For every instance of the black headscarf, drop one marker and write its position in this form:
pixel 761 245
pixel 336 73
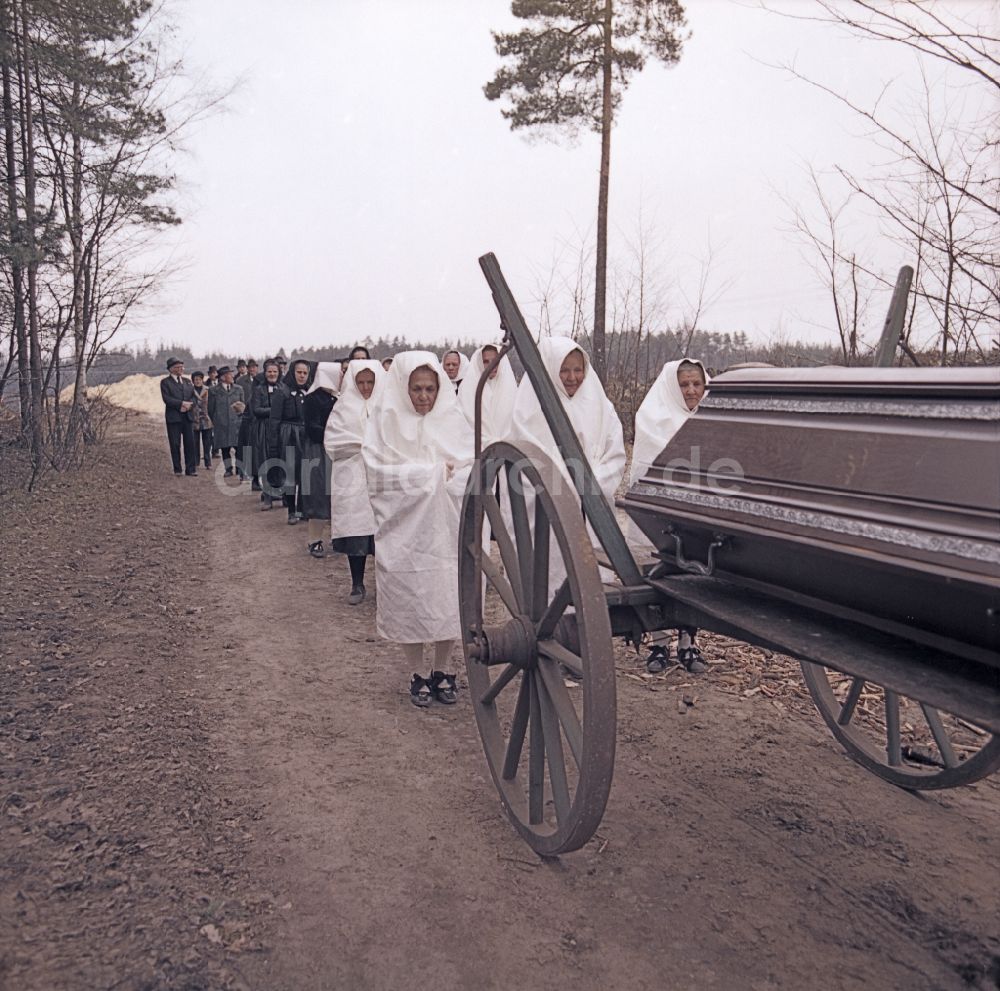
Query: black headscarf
pixel 289 378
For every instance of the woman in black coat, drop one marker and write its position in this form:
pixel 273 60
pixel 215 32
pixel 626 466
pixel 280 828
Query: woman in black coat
pixel 288 419
pixel 262 437
pixel 315 461
pixel 244 447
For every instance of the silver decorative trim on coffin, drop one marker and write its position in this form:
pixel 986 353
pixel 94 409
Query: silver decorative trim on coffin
pixel 972 550
pixel 858 407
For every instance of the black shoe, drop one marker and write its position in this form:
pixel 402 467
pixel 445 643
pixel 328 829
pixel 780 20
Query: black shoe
pixel 357 595
pixel 266 504
pixel 191 473
pixel 443 687
pixel 255 486
pixel 177 471
pixel 229 473
pixel 658 660
pixel 690 658
pixel 292 519
pixel 420 692
pixel 316 549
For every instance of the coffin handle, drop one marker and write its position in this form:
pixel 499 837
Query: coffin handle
pixel 695 567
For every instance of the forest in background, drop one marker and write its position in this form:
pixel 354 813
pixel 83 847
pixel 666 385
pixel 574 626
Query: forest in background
pixel 94 106
pixel 628 359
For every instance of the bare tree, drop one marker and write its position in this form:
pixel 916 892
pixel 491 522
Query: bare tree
pixel 706 294
pixel 836 265
pixel 937 191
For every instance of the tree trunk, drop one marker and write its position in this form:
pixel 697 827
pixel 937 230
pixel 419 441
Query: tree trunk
pixel 601 275
pixel 13 225
pixel 34 338
pixel 78 410
pixel 76 238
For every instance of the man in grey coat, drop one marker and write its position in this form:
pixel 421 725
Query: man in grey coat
pixel 225 407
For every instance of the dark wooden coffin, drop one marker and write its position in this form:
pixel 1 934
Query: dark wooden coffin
pixel 872 495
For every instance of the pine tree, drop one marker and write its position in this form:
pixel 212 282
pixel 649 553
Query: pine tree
pixel 568 69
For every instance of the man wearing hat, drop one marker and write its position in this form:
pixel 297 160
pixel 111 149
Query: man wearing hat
pixel 178 400
pixel 245 374
pixel 225 407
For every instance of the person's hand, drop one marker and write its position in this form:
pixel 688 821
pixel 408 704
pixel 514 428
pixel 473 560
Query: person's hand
pixel 239 407
pixel 186 405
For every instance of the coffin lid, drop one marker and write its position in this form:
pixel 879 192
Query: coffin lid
pixel 981 382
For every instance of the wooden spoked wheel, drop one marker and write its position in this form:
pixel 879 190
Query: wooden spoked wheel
pixel 903 740
pixel 550 746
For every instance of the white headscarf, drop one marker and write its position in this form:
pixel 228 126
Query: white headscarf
pixel 660 415
pixel 590 412
pixel 594 421
pixel 349 416
pixel 498 397
pixel 402 435
pixel 416 504
pixel 463 367
pixel 327 376
pixel 350 508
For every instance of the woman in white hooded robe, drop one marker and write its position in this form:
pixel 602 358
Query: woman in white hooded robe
pixel 591 414
pixel 352 522
pixel 417 453
pixel 497 408
pixel 455 373
pixel 672 400
pixel 499 394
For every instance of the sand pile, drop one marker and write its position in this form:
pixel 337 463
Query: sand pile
pixel 137 392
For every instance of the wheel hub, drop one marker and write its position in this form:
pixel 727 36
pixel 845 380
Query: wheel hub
pixel 514 642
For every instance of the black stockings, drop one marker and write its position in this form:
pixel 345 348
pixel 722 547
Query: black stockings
pixel 357 563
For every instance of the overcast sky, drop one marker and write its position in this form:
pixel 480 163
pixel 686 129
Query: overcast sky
pixel 358 172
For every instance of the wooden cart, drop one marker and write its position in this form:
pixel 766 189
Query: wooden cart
pixel 860 536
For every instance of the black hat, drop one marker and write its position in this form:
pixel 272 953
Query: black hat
pixel 242 362
pixel 212 368
pixel 174 361
pixel 223 370
pixel 197 375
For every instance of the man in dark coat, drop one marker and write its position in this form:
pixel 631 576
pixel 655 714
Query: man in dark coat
pixel 225 407
pixel 178 400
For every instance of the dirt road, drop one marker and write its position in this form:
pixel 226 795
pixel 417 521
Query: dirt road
pixel 212 777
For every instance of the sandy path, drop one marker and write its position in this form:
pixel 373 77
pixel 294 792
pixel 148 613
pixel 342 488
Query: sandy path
pixel 741 849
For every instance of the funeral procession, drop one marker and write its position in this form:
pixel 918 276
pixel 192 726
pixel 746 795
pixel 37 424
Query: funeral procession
pixel 500 495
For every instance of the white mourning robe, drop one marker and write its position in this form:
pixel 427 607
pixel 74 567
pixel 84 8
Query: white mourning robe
pixel 416 505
